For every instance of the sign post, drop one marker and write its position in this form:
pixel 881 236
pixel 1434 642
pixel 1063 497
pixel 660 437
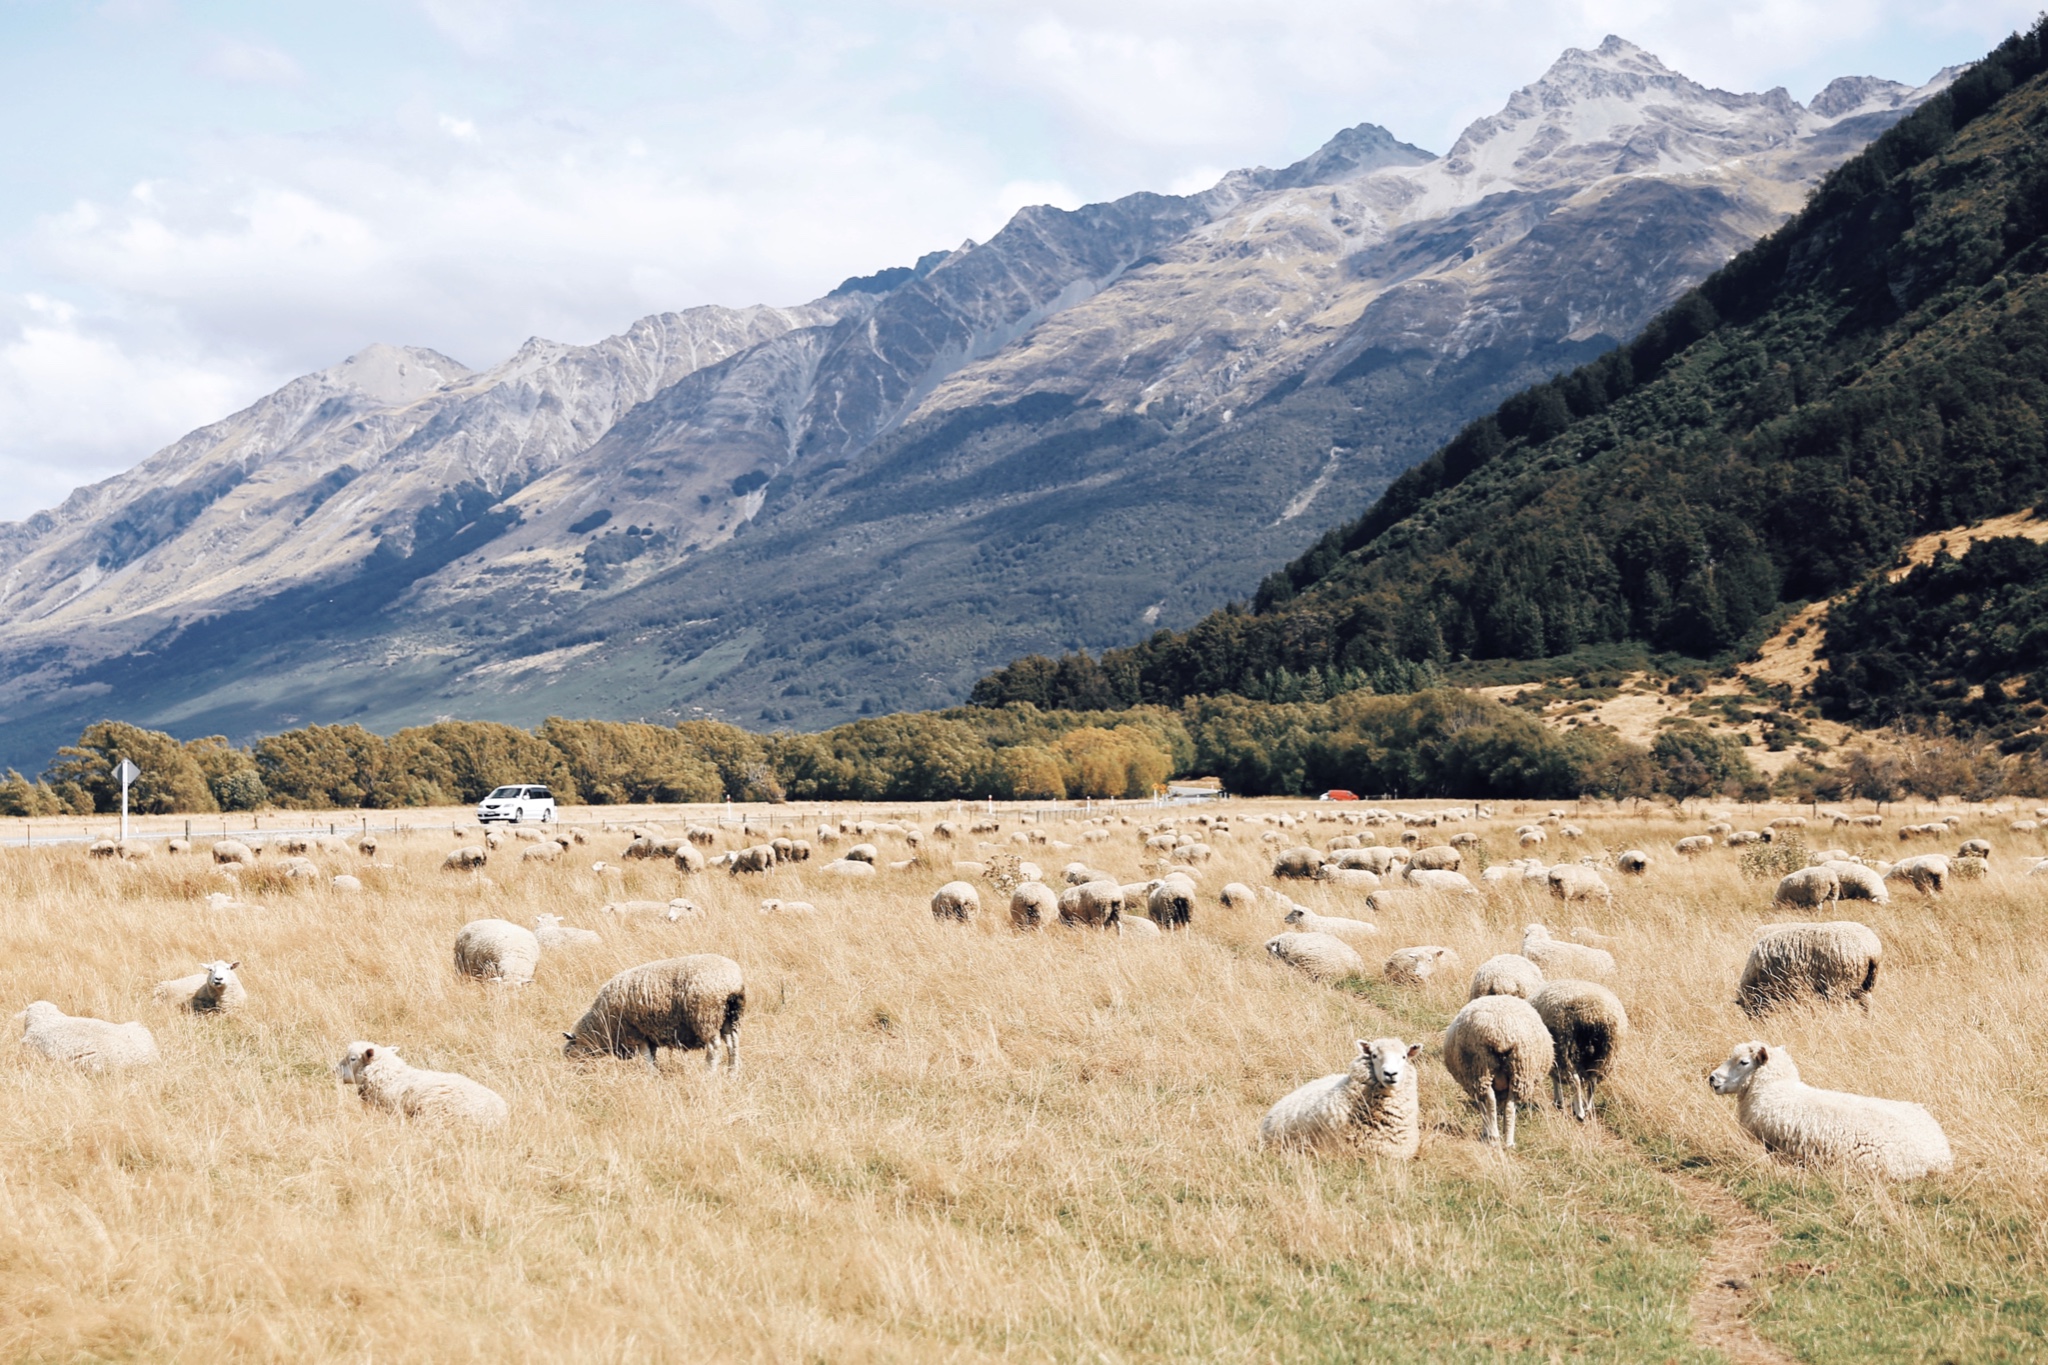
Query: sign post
pixel 127 772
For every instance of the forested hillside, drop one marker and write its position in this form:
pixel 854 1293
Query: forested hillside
pixel 1875 370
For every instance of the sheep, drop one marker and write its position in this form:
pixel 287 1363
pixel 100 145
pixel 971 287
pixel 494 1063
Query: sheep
pixel 1969 869
pixel 687 1003
pixel 1413 966
pixel 1789 822
pixel 1564 959
pixel 1587 1025
pixel 1303 920
pixel 497 950
pixel 785 849
pixel 541 853
pixel 1136 926
pixel 1370 1110
pixel 1440 882
pixel 1496 1049
pixel 1824 856
pixel 1300 863
pixel 1237 896
pixel 1632 862
pixel 550 932
pixel 1380 860
pixel 688 860
pixel 1506 974
pixel 88 1044
pixel 1529 836
pixel 1927 873
pixel 1581 934
pixel 1073 874
pixel 1171 904
pixel 234 852
pixel 847 867
pixel 1096 904
pixel 758 858
pixel 1574 882
pixel 1860 883
pixel 1323 956
pixel 782 907
pixel 956 901
pixel 214 989
pixel 1811 888
pixel 1743 837
pixel 1440 858
pixel 861 853
pixel 176 846
pixel 1348 878
pixel 464 859
pixel 386 1080
pixel 1891 1139
pixel 1192 853
pixel 1033 906
pixel 1692 845
pixel 1834 960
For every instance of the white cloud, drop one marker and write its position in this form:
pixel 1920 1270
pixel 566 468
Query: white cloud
pixel 246 63
pixel 461 129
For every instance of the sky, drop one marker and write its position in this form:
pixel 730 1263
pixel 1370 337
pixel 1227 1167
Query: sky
pixel 200 201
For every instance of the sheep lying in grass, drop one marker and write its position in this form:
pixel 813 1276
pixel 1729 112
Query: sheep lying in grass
pixel 1507 974
pixel 1833 960
pixel 1497 1049
pixel 1370 1110
pixel 1587 1025
pixel 550 932
pixel 385 1080
pixel 88 1044
pixel 1892 1139
pixel 686 1003
pixel 1323 956
pixel 1303 920
pixel 214 989
pixel 781 907
pixel 1559 960
pixel 497 950
pixel 1412 966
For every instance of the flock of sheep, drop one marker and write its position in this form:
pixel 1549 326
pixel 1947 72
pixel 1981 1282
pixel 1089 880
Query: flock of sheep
pixel 1539 1011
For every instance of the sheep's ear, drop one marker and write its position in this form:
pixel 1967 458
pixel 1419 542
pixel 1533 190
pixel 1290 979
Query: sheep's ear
pixel 1414 1049
pixel 1363 1047
pixel 233 966
pixel 569 1037
pixel 368 1053
pixel 1763 1054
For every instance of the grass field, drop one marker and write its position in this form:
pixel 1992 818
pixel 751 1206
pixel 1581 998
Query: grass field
pixel 954 1142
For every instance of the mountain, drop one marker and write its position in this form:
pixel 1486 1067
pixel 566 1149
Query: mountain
pixel 1095 422
pixel 1872 375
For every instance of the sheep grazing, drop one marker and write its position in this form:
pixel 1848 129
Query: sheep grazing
pixel 497 950
pixel 1136 926
pixel 1370 1110
pixel 1587 1025
pixel 1891 1139
pixel 1302 863
pixel 1975 848
pixel 1836 960
pixel 1632 862
pixel 1507 974
pixel 759 858
pixel 1575 882
pixel 1928 873
pixel 862 853
pixel 1413 966
pixel 176 846
pixel 214 989
pixel 541 853
pixel 1439 882
pixel 1303 920
pixel 235 853
pixel 1171 904
pixel 1095 905
pixel 1560 960
pixel 88 1044
pixel 689 860
pixel 387 1081
pixel 1033 906
pixel 345 884
pixel 1692 845
pixel 1441 858
pixel 1238 896
pixel 1810 888
pixel 1497 1049
pixel 464 859
pixel 1323 956
pixel 956 901
pixel 1860 883
pixel 550 932
pixel 686 1003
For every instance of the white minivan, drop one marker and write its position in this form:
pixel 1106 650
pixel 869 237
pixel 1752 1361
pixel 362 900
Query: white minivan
pixel 516 804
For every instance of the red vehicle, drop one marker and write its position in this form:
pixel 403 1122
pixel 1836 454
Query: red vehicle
pixel 1338 794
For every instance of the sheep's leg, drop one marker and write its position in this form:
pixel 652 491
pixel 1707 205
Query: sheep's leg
pixel 1492 1129
pixel 652 1064
pixel 1582 1104
pixel 1511 1122
pixel 1556 1091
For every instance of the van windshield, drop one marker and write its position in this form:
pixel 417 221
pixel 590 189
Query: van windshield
pixel 505 793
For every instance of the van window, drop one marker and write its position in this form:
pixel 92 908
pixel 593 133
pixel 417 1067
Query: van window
pixel 539 793
pixel 505 794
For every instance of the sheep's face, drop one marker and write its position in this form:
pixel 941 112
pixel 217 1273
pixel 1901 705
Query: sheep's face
pixel 1735 1073
pixel 218 974
pixel 1297 915
pixel 350 1067
pixel 1386 1062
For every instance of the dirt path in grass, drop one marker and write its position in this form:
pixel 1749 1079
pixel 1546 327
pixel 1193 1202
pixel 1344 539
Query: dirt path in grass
pixel 1727 1284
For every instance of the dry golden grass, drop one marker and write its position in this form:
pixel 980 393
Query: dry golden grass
pixel 958 1142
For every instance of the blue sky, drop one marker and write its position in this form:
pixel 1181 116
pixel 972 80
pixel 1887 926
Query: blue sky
pixel 200 200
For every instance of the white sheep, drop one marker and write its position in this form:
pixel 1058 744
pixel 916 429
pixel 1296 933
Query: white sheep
pixel 1560 960
pixel 497 950
pixel 782 907
pixel 88 1044
pixel 1575 882
pixel 1834 960
pixel 1587 1025
pixel 464 859
pixel 386 1080
pixel 1323 956
pixel 686 1003
pixel 1860 883
pixel 1441 883
pixel 1507 974
pixel 1171 902
pixel 234 852
pixel 1371 1109
pixel 1096 904
pixel 1033 906
pixel 1692 845
pixel 1438 858
pixel 1412 966
pixel 1892 1139
pixel 1927 873
pixel 213 989
pixel 1238 896
pixel 1810 888
pixel 1303 920
pixel 550 932
pixel 1632 862
pixel 956 901
pixel 847 867
pixel 1497 1049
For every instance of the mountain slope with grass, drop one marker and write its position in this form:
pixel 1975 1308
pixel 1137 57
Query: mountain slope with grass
pixel 1873 371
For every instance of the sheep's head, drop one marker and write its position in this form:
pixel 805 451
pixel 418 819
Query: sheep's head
pixel 350 1067
pixel 1296 915
pixel 219 974
pixel 1741 1067
pixel 1385 1062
